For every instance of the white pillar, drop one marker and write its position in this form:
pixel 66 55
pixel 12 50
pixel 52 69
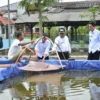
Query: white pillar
pixel 4 35
pixel 12 30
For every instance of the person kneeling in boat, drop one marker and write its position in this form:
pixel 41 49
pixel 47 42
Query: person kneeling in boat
pixel 62 45
pixel 42 48
pixel 16 48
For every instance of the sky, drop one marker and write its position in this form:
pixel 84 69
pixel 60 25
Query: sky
pixel 5 2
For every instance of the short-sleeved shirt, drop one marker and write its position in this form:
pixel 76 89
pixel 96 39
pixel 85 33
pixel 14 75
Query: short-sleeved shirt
pixel 14 48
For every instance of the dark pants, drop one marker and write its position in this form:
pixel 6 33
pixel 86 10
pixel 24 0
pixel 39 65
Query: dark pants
pixel 63 55
pixel 40 58
pixel 94 56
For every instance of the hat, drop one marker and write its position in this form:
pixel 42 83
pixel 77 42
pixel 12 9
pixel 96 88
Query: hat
pixel 61 30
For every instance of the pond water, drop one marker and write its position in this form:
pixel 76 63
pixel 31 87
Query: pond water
pixel 71 85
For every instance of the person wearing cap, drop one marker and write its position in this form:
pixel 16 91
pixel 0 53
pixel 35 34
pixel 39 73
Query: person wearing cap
pixel 62 45
pixel 94 42
pixel 42 48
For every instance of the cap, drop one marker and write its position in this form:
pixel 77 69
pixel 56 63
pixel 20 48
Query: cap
pixel 61 30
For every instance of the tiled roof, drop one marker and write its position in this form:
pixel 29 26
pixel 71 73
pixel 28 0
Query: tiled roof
pixel 69 18
pixel 66 5
pixel 77 5
pixel 4 21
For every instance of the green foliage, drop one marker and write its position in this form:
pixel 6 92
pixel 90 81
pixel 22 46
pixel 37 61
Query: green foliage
pixel 36 36
pixel 82 30
pixel 91 12
pixel 45 18
pixel 94 11
pixel 98 27
pixel 83 15
pixel 46 30
pixel 37 5
pixel 54 32
pixel 73 42
pixel 82 43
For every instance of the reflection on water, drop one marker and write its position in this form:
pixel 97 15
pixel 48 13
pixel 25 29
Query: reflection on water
pixel 72 85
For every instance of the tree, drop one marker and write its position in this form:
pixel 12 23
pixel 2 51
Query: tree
pixel 92 12
pixel 37 5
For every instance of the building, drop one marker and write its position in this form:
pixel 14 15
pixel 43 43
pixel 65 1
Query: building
pixel 64 14
pixel 15 12
pixel 4 27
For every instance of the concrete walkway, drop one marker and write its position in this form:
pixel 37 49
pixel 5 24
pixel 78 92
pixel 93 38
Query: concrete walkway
pixel 78 57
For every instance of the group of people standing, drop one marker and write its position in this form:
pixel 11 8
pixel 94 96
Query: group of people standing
pixel 61 45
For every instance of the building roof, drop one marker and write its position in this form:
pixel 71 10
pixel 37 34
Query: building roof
pixel 13 7
pixel 63 12
pixel 66 16
pixel 15 10
pixel 77 5
pixel 4 20
pixel 64 5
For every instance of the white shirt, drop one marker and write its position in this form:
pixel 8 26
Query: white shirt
pixel 94 41
pixel 14 48
pixel 43 48
pixel 62 44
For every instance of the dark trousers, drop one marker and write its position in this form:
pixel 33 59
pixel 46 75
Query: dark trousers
pixel 63 55
pixel 40 58
pixel 94 56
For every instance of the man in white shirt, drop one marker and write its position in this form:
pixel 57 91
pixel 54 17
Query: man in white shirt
pixel 94 42
pixel 42 48
pixel 62 45
pixel 16 47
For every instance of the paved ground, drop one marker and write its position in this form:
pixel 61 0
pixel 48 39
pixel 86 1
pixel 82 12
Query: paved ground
pixel 55 57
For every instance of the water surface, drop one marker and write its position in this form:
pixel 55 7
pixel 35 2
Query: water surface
pixel 71 85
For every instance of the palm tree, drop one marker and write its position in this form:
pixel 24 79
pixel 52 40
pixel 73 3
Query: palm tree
pixel 37 5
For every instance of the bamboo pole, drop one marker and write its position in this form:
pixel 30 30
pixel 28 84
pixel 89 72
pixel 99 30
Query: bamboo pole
pixel 56 53
pixel 22 53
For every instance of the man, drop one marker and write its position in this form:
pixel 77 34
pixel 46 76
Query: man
pixel 94 42
pixel 62 45
pixel 42 48
pixel 16 47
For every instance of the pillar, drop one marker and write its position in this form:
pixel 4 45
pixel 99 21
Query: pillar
pixel 72 33
pixel 49 31
pixel 66 30
pixel 76 32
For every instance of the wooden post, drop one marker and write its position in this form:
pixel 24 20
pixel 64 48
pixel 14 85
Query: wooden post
pixel 72 33
pixel 49 31
pixel 31 27
pixel 76 32
pixel 66 30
